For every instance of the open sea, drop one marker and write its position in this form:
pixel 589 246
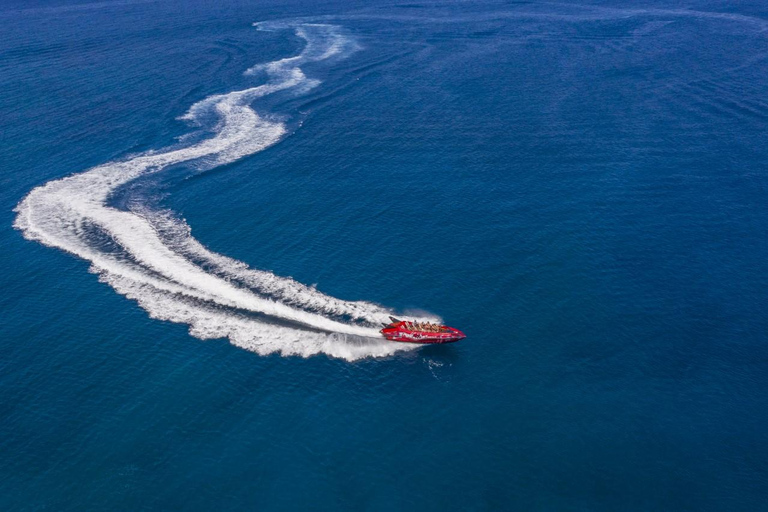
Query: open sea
pixel 207 210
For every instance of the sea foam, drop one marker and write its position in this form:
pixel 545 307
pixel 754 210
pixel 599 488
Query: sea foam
pixel 176 278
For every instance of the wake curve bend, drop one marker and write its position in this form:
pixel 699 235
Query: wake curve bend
pixel 173 276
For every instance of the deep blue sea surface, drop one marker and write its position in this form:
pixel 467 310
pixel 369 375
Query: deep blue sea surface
pixel 203 222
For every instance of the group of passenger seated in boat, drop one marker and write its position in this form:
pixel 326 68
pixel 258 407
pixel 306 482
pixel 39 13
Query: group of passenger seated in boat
pixel 424 327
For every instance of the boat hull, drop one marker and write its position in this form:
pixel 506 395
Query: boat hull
pixel 399 331
pixel 424 341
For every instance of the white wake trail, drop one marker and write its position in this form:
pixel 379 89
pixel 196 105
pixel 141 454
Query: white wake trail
pixel 173 276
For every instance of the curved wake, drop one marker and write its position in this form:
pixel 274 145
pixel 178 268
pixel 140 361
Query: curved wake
pixel 152 258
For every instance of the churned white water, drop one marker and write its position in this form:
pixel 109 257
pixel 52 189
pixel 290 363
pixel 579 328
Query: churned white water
pixel 173 276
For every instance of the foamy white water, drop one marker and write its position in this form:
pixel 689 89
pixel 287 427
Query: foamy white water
pixel 173 276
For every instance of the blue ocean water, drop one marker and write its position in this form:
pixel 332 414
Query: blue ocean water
pixel 580 187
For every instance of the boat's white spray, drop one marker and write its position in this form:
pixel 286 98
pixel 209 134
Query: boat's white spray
pixel 173 276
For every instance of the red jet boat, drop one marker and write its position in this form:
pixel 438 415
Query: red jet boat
pixel 415 332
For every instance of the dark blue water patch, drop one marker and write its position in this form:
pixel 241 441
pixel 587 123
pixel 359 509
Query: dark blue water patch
pixel 579 189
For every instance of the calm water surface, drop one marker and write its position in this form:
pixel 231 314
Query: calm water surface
pixel 580 187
